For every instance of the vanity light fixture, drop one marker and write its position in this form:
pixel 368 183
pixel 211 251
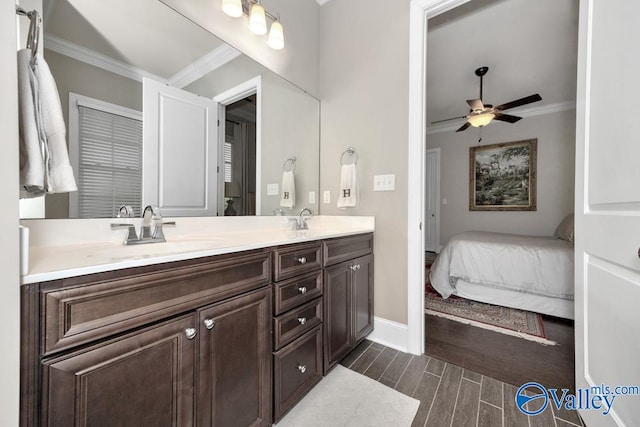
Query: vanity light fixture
pixel 257 15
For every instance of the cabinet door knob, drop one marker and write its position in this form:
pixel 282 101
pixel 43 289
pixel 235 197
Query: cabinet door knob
pixel 353 268
pixel 302 260
pixel 302 289
pixel 190 333
pixel 357 266
pixel 302 320
pixel 302 369
pixel 209 323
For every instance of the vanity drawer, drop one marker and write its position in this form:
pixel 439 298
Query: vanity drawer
pixel 82 309
pixel 296 369
pixel 346 248
pixel 298 290
pixel 289 261
pixel 296 322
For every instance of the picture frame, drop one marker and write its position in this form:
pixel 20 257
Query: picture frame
pixel 502 177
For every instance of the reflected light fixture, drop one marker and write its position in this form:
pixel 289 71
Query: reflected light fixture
pixel 232 8
pixel 480 120
pixel 257 19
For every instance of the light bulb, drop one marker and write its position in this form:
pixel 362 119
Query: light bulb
pixel 276 36
pixel 480 120
pixel 232 8
pixel 257 20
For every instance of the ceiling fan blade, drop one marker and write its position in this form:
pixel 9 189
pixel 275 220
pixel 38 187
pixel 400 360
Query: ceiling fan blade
pixel 463 127
pixel 446 120
pixel 475 104
pixel 518 102
pixel 506 117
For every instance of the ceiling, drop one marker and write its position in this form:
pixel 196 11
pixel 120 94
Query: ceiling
pixel 143 33
pixel 529 46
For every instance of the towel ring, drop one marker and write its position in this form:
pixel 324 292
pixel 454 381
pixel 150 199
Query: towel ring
pixel 291 162
pixel 350 152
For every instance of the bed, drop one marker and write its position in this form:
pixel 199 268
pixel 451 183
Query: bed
pixel 526 272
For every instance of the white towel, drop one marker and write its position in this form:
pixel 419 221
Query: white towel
pixel 58 169
pixel 288 198
pixel 349 191
pixel 32 141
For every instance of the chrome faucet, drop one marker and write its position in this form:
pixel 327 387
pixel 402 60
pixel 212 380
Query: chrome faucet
pixel 125 211
pixel 151 217
pixel 301 220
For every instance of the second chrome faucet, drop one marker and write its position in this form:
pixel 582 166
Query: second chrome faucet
pixel 150 231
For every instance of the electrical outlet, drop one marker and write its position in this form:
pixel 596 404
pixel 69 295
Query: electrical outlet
pixel 312 197
pixel 272 189
pixel 384 182
pixel 327 197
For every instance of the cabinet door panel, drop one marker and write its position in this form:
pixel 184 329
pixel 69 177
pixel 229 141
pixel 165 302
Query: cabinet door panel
pixel 362 297
pixel 141 379
pixel 234 381
pixel 337 318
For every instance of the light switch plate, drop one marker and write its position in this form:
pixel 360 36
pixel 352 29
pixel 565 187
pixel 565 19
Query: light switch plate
pixel 327 197
pixel 384 182
pixel 272 189
pixel 312 197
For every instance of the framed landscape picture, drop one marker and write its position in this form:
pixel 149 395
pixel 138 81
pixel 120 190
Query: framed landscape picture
pixel 502 177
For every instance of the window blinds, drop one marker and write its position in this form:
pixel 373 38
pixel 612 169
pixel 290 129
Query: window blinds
pixel 110 163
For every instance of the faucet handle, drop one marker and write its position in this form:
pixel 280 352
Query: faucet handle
pixel 131 236
pixel 158 234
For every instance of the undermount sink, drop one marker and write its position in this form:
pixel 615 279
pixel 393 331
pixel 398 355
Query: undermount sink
pixel 149 250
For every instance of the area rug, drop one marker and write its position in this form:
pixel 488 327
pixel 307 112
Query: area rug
pixel 346 398
pixel 509 321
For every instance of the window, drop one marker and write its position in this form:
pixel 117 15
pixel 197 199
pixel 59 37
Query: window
pixel 106 151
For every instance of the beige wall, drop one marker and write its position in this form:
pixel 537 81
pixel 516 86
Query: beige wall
pixel 556 153
pixel 297 62
pixel 290 127
pixel 73 76
pixel 9 246
pixel 364 70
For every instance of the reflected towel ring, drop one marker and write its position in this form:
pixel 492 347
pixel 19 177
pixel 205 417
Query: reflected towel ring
pixel 352 153
pixel 291 162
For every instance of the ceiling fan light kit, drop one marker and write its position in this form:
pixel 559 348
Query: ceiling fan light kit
pixel 481 114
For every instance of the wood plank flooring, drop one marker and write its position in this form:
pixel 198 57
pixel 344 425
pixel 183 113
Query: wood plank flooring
pixel 449 395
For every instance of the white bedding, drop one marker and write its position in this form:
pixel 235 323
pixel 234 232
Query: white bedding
pixel 540 266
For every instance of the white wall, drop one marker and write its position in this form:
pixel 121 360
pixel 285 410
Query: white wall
pixel 555 176
pixel 9 247
pixel 297 62
pixel 364 70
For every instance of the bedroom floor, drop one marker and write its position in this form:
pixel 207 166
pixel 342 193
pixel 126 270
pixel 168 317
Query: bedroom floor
pixel 449 394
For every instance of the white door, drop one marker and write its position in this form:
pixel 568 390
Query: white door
pixel 432 198
pixel 180 151
pixel 608 207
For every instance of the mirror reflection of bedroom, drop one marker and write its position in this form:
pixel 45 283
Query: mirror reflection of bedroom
pixel 500 189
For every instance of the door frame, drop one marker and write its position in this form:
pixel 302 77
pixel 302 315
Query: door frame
pixel 420 11
pixel 437 152
pixel 236 93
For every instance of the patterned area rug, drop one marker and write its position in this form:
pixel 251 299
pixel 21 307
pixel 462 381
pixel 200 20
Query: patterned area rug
pixel 509 321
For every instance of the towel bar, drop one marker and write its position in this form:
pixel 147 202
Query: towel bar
pixel 291 161
pixel 350 152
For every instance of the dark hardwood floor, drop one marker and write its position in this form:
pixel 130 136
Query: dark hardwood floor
pixel 509 359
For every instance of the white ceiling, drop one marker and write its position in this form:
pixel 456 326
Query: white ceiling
pixel 143 33
pixel 529 46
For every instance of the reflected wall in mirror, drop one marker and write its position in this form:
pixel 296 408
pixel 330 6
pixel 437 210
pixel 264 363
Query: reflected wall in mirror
pixel 99 53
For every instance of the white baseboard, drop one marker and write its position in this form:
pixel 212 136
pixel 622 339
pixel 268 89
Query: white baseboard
pixel 389 333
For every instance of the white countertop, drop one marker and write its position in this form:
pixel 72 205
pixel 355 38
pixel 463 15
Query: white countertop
pixel 67 248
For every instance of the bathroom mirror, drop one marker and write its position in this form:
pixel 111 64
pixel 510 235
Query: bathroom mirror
pixel 99 53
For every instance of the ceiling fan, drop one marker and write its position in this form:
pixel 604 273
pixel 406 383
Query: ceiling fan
pixel 482 114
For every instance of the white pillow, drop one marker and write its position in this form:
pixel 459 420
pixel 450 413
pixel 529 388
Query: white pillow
pixel 564 230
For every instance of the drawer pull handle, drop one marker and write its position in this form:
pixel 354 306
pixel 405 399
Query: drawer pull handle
pixel 302 289
pixel 302 320
pixel 209 323
pixel 190 333
pixel 302 369
pixel 302 260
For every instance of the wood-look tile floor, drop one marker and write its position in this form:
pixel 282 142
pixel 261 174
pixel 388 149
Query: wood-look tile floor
pixel 449 395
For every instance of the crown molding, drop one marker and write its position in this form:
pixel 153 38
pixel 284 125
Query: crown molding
pixel 523 112
pixel 88 56
pixel 209 62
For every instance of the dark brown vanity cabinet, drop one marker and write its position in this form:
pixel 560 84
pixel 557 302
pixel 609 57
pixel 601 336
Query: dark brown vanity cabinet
pixel 184 343
pixel 297 323
pixel 348 295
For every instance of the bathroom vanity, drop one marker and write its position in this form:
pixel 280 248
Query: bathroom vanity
pixel 231 334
